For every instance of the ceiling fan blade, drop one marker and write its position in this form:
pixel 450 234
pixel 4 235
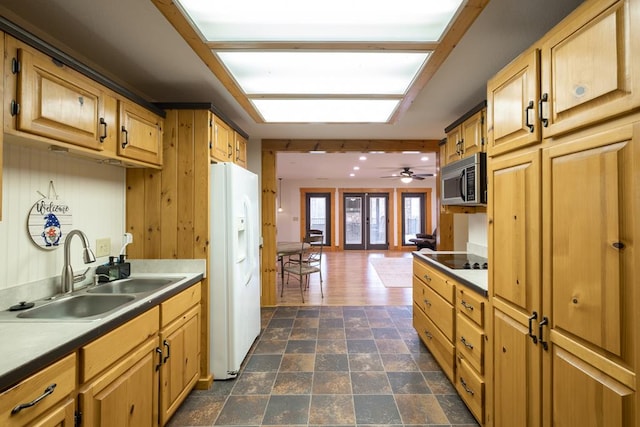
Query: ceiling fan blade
pixel 423 174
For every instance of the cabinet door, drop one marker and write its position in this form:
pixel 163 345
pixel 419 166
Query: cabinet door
pixel 180 368
pixel 56 102
pixel 454 145
pixel 61 416
pixel 512 108
pixel 590 67
pixel 473 134
pixel 240 157
pixel 590 190
pixel 517 372
pixel 140 134
pixel 222 149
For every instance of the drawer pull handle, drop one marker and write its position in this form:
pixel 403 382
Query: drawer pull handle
pixel 466 305
pixel 526 116
pixel 427 302
pixel 166 344
pixel 464 386
pixel 47 391
pixel 427 278
pixel 466 344
pixel 428 334
pixel 104 129
pixel 533 317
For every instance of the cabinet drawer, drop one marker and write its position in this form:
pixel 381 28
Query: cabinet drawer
pixel 470 386
pixel 471 305
pixel 470 342
pixel 439 311
pixel 439 346
pixel 101 353
pixel 172 308
pixel 62 374
pixel 435 280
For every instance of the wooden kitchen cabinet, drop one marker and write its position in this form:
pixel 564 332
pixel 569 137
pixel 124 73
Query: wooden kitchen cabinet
pixel 467 135
pixel 2 36
pixel 119 375
pixel 240 156
pixel 51 100
pixel 180 344
pixel 140 133
pixel 54 385
pixel 222 141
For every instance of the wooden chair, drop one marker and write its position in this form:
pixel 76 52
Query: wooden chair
pixel 305 265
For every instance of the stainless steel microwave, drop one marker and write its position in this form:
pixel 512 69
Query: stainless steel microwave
pixel 464 182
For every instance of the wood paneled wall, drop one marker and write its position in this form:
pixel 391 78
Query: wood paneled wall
pixel 168 211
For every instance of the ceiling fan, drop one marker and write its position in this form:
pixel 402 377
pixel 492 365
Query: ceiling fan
pixel 407 175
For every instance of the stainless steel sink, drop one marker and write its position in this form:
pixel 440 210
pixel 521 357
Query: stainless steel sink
pixel 78 307
pixel 133 285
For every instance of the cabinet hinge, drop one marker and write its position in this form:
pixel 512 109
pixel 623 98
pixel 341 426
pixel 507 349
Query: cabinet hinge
pixel 15 108
pixel 482 140
pixel 482 119
pixel 77 419
pixel 15 66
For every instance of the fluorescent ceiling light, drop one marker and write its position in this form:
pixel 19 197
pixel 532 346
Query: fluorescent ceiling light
pixel 330 20
pixel 379 73
pixel 326 110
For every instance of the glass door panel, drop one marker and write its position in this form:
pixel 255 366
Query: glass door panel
pixel 413 214
pixel 377 222
pixel 353 221
pixel 319 215
pixel 365 221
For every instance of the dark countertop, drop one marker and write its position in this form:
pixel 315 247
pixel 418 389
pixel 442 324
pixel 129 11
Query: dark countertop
pixel 476 280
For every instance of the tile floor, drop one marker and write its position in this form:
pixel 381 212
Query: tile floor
pixel 332 366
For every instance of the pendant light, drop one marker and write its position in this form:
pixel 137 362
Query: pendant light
pixel 280 196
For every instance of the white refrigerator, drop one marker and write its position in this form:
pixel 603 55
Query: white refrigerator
pixel 234 268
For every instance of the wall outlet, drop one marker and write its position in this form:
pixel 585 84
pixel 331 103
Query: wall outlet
pixel 103 247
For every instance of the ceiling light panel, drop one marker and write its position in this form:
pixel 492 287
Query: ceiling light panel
pixel 326 110
pixel 330 20
pixel 381 73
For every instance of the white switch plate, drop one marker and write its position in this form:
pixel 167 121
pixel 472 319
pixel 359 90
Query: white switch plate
pixel 103 247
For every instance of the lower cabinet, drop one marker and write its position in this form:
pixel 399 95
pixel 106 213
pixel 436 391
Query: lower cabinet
pixel 450 320
pixel 179 338
pixel 52 391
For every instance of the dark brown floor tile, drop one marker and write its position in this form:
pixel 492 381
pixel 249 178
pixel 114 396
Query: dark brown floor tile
pixel 408 383
pixel 331 322
pixel 306 322
pixel 304 333
pixel 331 334
pixel 354 312
pixel 277 322
pixel 391 346
pixel 308 312
pixel 287 410
pixel 270 347
pixel 298 363
pixel 331 410
pixel 455 410
pixel 356 322
pixel 198 410
pixel 439 383
pixel 361 346
pixel 331 312
pixel 331 362
pixel 376 409
pixel 370 383
pixel 385 333
pixel 398 362
pixel 301 346
pixel 426 362
pixel 331 346
pixel 358 333
pixel 365 362
pixel 381 322
pixel 293 383
pixel 275 334
pixel 331 383
pixel 420 409
pixel 250 383
pixel 243 410
pixel 285 312
pixel 263 363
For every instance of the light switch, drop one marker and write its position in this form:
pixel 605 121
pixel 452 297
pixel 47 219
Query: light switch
pixel 103 247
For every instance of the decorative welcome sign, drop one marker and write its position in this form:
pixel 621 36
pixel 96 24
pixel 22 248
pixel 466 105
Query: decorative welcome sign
pixel 49 221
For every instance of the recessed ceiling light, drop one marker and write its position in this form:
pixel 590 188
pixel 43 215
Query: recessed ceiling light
pixel 363 157
pixel 410 152
pixel 352 174
pixel 424 158
pixel 356 168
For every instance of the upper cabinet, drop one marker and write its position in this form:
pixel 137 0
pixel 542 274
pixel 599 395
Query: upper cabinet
pixel 48 102
pixel 467 135
pixel 240 156
pixel 140 134
pixel 222 141
pixel 580 73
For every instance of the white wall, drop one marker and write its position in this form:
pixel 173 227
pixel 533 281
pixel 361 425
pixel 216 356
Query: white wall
pixel 471 233
pixel 95 193
pixel 288 221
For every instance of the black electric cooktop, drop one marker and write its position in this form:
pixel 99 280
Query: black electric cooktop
pixel 460 261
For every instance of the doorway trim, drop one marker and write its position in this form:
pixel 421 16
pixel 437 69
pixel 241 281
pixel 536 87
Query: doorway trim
pixel 270 147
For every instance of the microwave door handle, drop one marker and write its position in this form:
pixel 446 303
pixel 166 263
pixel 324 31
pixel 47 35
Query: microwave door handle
pixel 462 185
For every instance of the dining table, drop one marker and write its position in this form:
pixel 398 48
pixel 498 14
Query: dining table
pixel 286 249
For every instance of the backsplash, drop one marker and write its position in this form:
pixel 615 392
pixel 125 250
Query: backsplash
pixel 95 193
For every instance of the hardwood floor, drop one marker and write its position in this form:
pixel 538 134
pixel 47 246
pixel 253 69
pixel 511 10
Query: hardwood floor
pixel 349 279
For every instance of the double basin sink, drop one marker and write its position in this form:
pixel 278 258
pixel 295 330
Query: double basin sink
pixel 96 302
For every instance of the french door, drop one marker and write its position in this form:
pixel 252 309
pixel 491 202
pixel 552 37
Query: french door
pixel 318 211
pixel 366 224
pixel 413 214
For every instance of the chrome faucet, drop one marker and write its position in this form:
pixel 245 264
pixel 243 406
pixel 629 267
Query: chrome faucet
pixel 67 279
